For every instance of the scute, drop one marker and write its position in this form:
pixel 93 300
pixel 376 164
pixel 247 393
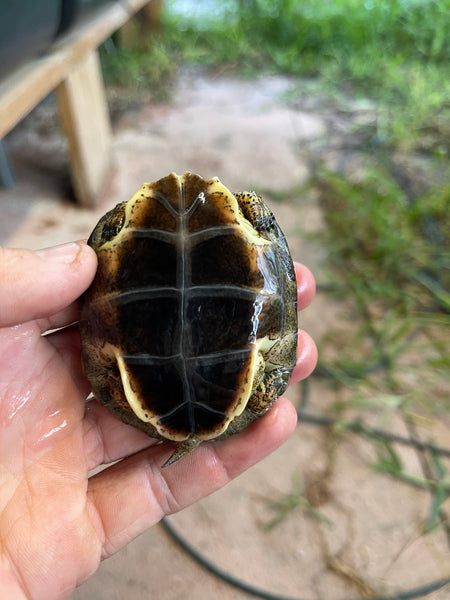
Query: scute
pixel 189 299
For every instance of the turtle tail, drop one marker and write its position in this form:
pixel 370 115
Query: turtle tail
pixel 181 450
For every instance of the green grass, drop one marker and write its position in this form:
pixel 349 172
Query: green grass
pixel 395 51
pixel 395 248
pixel 296 500
pixel 300 37
pixel 388 260
pixel 146 72
pixel 390 463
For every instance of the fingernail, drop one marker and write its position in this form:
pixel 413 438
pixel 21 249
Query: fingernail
pixel 63 254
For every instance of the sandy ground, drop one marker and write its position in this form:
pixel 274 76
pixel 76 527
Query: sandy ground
pixel 363 532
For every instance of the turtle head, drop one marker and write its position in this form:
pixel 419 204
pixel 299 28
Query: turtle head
pixel 108 227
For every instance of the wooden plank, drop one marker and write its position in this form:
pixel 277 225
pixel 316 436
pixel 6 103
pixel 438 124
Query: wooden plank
pixel 25 87
pixel 84 114
pixel 136 34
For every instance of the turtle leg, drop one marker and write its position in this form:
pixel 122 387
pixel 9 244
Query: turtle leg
pixel 283 353
pixel 260 401
pixel 272 386
pixel 255 210
pixel 269 385
pixel 263 221
pixel 279 362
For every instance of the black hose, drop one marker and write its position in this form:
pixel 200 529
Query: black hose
pixel 248 588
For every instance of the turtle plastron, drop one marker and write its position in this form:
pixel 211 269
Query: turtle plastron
pixel 194 299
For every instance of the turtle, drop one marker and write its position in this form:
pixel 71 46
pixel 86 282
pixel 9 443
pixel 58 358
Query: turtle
pixel 189 328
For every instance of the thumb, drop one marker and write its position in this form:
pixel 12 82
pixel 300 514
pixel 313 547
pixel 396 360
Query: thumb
pixel 38 284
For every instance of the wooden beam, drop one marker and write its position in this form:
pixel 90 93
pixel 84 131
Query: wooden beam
pixel 84 114
pixel 137 34
pixel 28 85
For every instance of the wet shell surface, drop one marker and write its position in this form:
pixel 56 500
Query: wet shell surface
pixel 189 329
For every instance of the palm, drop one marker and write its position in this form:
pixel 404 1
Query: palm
pixel 44 511
pixel 51 512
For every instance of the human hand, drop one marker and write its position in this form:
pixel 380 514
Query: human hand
pixel 56 522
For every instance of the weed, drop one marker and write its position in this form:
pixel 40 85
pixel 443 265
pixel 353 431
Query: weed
pixel 389 463
pixel 297 499
pixel 388 257
pixel 143 72
pixel 395 252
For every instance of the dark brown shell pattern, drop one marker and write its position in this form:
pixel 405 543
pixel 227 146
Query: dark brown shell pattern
pixel 194 295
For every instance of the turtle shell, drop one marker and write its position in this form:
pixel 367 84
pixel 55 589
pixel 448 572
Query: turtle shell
pixel 189 328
